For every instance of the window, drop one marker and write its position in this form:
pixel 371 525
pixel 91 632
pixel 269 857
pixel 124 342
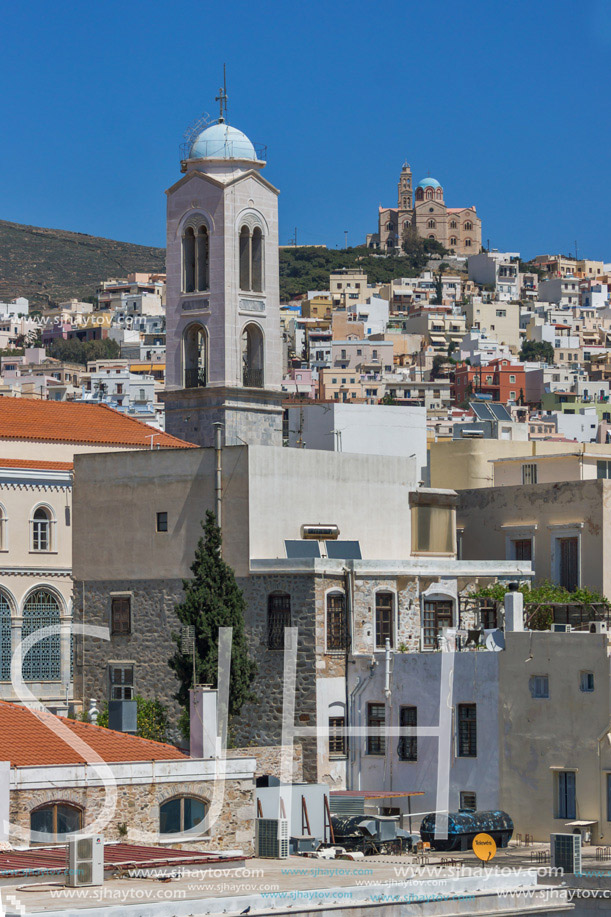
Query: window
pixel 5 638
pixel 56 818
pixel 433 529
pixel 195 350
pixel 121 682
pixel 453 241
pixel 502 313
pixel 436 615
pixel 121 615
pixel 467 731
pixel 384 619
pixel 195 259
pixel 603 469
pixel 488 614
pixel 522 549
pixel 586 682
pixel 529 474
pixel 407 748
pixel 568 566
pixel 337 738
pixel 512 380
pixel 539 686
pixel 41 529
pixel 467 243
pixel 468 801
pixel 432 224
pixel 278 617
pixel 252 356
pixel 336 622
pixel 453 224
pixel 43 661
pixel 181 814
pixel 468 225
pixel 376 719
pixel 251 259
pixel 565 800
pixel 162 522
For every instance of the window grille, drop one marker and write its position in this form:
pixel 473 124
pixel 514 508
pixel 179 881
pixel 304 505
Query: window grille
pixel 376 719
pixel 336 621
pixel 43 661
pixel 5 639
pixel 278 618
pixel 467 731
pixel 408 744
pixel 384 619
pixel 121 682
pixel 337 738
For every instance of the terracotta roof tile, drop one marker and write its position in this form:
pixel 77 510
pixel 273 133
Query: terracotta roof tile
pixel 28 740
pixel 35 463
pixel 73 422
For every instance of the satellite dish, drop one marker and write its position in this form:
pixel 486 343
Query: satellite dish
pixel 495 641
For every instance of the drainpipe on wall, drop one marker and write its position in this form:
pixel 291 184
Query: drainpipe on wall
pixel 348 588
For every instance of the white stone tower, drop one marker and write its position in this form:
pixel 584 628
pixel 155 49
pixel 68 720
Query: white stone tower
pixel 224 342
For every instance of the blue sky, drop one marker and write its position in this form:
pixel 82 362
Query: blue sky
pixel 507 104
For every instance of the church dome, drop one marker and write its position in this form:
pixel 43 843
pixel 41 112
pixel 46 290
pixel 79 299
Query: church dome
pixel 429 183
pixel 221 141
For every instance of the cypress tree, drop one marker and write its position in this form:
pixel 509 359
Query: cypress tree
pixel 212 600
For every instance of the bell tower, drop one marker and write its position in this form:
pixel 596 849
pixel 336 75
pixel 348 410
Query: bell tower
pixel 405 188
pixel 223 336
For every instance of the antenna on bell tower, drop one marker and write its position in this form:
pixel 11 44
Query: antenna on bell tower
pixel 222 97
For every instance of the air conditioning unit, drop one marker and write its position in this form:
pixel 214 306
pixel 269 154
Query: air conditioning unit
pixel 320 532
pixel 561 628
pixel 86 860
pixel 272 838
pixel 566 852
pixel 598 627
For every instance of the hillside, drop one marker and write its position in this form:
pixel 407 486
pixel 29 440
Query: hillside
pixel 53 265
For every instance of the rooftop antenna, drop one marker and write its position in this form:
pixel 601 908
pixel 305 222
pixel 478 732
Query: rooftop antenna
pixel 222 97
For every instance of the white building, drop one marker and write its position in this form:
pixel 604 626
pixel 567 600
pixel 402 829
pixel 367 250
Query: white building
pixel 563 291
pixel 373 314
pixel 499 270
pixel 368 429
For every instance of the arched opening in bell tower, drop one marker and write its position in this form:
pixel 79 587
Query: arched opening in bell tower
pixel 251 259
pixel 195 259
pixel 195 356
pixel 252 356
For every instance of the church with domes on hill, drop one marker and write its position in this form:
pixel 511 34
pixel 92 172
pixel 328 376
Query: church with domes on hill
pixel 458 229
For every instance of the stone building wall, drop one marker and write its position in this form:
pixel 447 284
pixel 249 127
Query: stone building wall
pixel 138 809
pixel 268 759
pixel 148 647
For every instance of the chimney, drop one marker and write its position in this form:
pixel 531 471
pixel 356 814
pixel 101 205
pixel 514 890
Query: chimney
pixel 514 609
pixel 203 722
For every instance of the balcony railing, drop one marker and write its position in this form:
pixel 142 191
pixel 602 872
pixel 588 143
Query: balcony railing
pixel 195 378
pixel 252 378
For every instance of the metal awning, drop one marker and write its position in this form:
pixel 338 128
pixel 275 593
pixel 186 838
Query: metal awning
pixel 579 824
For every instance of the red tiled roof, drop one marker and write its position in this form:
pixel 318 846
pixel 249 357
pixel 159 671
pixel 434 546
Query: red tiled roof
pixel 73 422
pixel 30 739
pixel 35 463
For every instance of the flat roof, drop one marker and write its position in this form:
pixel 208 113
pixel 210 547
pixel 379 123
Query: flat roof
pixel 374 794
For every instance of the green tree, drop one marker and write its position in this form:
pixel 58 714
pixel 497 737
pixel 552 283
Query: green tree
pixel 535 351
pixel 75 351
pixel 212 600
pixel 152 718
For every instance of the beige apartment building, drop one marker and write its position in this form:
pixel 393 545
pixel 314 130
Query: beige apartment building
pixel 438 325
pixel 348 285
pixel 501 320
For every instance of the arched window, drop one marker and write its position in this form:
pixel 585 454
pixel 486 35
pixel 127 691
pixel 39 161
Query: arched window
pixel 5 638
pixel 56 818
pixel 439 194
pixel 278 618
pixel 453 241
pixel 419 194
pixel 467 243
pixel 183 813
pixel 43 661
pixel 252 357
pixel 195 347
pixel 453 224
pixel 336 622
pixel 257 260
pixel 468 225
pixel 432 224
pixel 41 530
pixel 384 621
pixel 195 259
pixel 429 194
pixel 188 260
pixel 431 236
pixel 202 258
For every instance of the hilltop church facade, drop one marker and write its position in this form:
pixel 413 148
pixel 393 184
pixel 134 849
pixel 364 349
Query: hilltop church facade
pixel 458 229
